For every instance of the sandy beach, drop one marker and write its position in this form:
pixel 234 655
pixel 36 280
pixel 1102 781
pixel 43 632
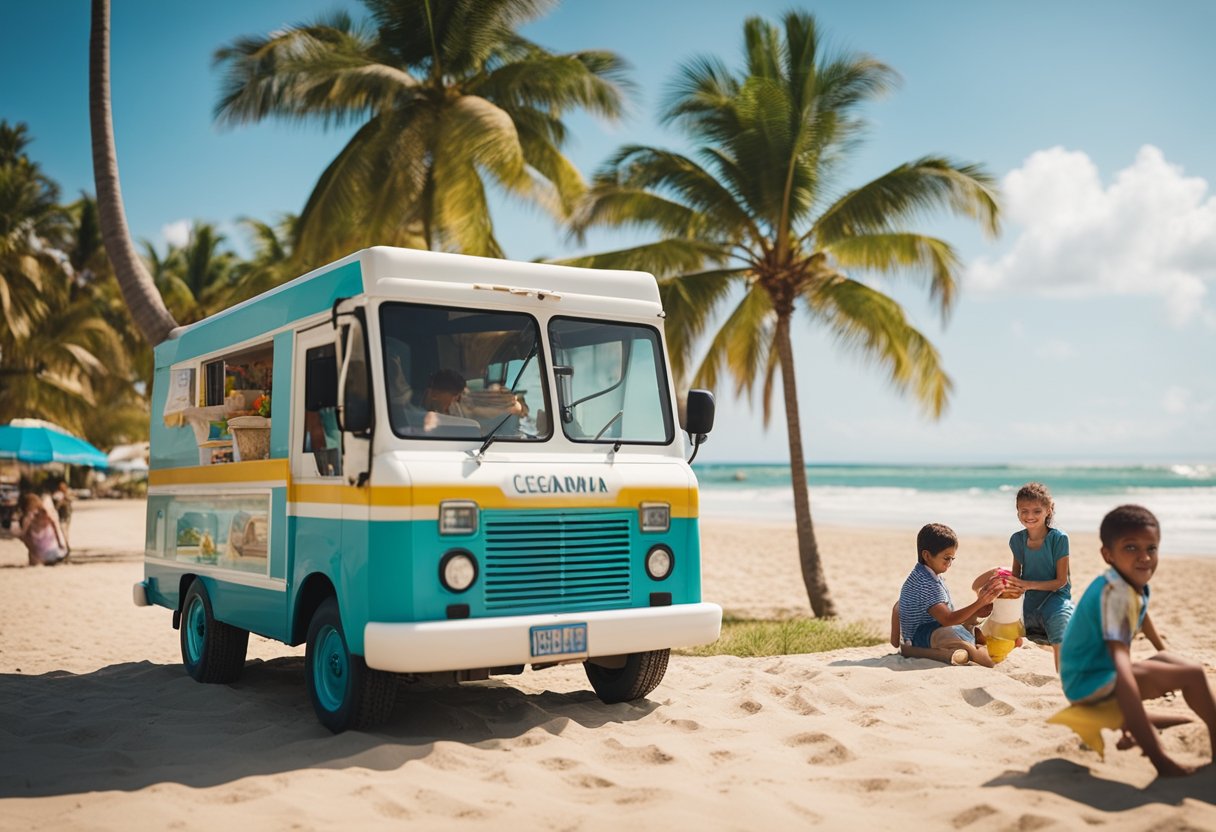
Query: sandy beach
pixel 100 728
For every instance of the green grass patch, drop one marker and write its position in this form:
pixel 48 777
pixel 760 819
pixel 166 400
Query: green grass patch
pixel 752 637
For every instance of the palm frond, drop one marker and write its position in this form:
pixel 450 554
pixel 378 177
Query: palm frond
pixel 689 302
pixel 328 70
pixel 594 81
pixel 701 97
pixel 930 257
pixel 740 346
pixel 666 258
pixel 874 326
pixel 678 177
pixel 908 191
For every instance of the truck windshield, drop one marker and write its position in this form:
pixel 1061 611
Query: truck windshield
pixel 458 373
pixel 611 382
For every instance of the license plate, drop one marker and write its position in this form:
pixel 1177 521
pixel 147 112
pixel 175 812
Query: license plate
pixel 559 639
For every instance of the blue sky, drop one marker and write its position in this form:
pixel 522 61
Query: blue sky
pixel 1087 332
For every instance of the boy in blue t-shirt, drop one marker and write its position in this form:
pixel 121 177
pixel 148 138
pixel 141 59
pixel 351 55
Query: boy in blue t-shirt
pixel 1095 660
pixel 925 614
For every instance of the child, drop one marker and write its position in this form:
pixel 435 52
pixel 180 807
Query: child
pixel 927 618
pixel 1095 662
pixel 1040 567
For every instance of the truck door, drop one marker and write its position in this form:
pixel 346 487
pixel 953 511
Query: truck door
pixel 356 417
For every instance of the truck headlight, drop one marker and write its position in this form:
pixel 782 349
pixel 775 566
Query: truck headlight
pixel 654 517
pixel 457 570
pixel 457 517
pixel 659 562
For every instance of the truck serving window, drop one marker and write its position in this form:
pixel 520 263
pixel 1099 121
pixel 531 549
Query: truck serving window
pixel 611 382
pixel 463 374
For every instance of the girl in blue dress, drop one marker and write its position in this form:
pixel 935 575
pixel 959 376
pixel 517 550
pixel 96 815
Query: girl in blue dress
pixel 1040 567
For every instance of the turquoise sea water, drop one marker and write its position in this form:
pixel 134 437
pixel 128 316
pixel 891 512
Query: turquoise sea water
pixel 972 499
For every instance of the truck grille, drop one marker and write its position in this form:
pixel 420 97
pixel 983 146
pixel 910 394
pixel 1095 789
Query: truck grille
pixel 556 561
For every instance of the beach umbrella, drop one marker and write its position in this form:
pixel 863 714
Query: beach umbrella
pixel 126 459
pixel 38 442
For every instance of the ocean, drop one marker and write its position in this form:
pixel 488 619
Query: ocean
pixel 975 500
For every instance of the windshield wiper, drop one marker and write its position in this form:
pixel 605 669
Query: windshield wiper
pixel 611 422
pixel 494 433
pixel 616 446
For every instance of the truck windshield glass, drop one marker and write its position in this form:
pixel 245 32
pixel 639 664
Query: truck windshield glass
pixel 611 381
pixel 463 374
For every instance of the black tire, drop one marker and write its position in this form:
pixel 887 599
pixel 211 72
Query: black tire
pixel 345 693
pixel 213 652
pixel 641 674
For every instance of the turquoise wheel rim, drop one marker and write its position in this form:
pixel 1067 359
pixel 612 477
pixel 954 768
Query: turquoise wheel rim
pixel 331 670
pixel 196 629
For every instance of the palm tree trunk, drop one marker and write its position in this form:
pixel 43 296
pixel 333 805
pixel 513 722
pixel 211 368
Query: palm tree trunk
pixel 817 591
pixel 144 302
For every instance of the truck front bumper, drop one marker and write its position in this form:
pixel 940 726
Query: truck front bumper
pixel 470 643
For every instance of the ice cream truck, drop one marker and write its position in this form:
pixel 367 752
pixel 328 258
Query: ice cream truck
pixel 423 463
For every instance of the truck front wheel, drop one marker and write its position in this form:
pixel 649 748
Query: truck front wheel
pixel 640 674
pixel 345 692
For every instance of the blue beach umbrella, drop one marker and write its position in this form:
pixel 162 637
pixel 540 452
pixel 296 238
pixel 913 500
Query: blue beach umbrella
pixel 29 440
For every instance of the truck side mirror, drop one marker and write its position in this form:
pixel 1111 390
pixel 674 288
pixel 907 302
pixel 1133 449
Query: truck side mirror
pixel 698 418
pixel 699 412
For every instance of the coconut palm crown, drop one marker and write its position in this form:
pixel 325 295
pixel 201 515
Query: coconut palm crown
pixel 759 216
pixel 449 98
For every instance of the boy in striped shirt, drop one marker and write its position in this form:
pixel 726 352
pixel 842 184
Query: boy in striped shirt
pixel 927 617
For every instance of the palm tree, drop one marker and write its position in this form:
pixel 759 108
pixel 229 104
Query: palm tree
pixel 199 278
pixel 55 348
pixel 759 216
pixel 31 222
pixel 145 304
pixel 272 262
pixel 449 99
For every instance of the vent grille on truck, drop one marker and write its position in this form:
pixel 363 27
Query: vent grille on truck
pixel 556 561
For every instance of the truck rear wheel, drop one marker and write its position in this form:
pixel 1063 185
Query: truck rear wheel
pixel 212 651
pixel 641 673
pixel 345 692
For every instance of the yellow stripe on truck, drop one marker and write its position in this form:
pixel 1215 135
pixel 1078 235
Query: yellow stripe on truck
pixel 683 500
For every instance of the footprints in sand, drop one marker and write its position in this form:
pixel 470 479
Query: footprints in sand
pixel 1035 680
pixel 825 750
pixel 986 816
pixel 646 755
pixel 980 698
pixel 750 706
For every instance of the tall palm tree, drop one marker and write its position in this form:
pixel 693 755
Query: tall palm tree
pixel 146 305
pixel 760 216
pixel 449 99
pixel 125 390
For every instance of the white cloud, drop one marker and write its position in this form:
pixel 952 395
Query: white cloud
pixel 176 233
pixel 1151 232
pixel 1055 349
pixel 1176 401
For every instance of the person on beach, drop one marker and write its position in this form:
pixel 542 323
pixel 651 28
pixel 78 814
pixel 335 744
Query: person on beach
pixel 62 498
pixel 40 532
pixel 1095 658
pixel 1040 567
pixel 926 614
